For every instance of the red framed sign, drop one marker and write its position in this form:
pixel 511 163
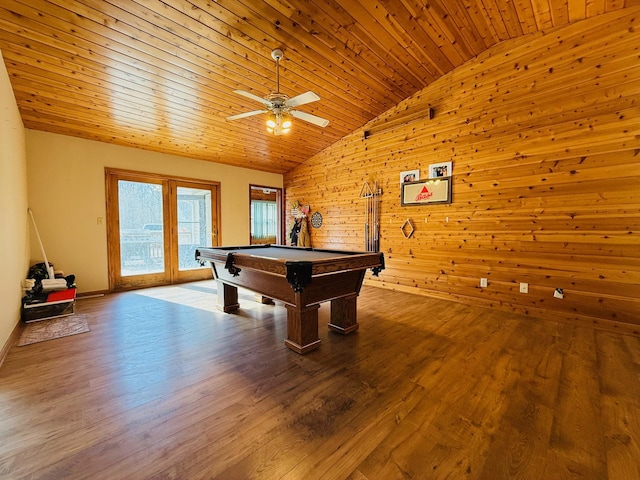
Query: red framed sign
pixel 427 192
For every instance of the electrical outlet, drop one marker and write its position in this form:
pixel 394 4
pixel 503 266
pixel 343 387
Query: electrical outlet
pixel 524 288
pixel 483 283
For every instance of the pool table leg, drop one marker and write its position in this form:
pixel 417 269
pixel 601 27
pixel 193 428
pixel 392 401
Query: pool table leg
pixel 227 297
pixel 262 299
pixel 302 328
pixel 343 315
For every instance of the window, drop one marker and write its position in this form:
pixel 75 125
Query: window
pixel 264 221
pixel 265 215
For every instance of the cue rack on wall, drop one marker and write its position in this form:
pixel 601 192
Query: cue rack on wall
pixel 372 216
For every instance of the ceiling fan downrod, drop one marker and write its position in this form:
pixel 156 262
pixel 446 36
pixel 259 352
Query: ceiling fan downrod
pixel 277 56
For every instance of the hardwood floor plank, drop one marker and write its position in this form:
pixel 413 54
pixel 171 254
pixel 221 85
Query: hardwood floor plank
pixel 166 386
pixel 578 407
pixel 619 371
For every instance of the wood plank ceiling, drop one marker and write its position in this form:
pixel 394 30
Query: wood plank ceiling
pixel 160 75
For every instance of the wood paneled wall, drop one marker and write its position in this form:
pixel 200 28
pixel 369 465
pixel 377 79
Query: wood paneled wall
pixel 544 135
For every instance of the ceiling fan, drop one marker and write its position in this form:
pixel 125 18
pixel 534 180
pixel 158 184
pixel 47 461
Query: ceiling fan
pixel 281 106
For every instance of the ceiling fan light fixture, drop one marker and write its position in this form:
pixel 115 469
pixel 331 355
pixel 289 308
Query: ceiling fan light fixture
pixel 279 123
pixel 286 122
pixel 272 121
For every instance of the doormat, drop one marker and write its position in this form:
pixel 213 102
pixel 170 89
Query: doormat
pixel 54 328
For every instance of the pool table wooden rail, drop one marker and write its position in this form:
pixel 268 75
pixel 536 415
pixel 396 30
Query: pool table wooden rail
pixel 278 266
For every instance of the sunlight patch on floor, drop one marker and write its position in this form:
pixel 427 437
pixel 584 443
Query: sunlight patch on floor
pixel 200 295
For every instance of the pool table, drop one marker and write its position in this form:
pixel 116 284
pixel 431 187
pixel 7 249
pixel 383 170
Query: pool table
pixel 301 278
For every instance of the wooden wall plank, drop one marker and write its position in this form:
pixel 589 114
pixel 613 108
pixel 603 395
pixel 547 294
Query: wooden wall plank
pixel 545 144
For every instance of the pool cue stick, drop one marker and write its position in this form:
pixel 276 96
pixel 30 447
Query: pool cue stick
pixel 372 221
pixel 366 245
pixel 375 216
pixel 375 219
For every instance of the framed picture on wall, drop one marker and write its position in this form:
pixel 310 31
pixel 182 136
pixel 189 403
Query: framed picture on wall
pixel 426 192
pixel 437 170
pixel 409 176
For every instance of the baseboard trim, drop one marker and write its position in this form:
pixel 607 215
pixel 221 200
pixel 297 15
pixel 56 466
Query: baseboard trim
pixel 11 341
pixel 96 293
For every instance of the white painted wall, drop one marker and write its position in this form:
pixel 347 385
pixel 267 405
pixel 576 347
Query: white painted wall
pixel 14 226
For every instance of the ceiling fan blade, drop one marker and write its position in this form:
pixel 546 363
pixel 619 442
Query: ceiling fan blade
pixel 246 114
pixel 307 117
pixel 253 97
pixel 301 99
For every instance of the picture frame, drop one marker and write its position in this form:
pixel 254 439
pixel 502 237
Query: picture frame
pixel 439 170
pixel 427 192
pixel 409 176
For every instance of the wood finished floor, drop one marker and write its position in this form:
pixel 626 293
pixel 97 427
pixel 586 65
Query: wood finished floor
pixel 166 387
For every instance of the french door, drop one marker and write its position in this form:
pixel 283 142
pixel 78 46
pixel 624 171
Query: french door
pixel 154 225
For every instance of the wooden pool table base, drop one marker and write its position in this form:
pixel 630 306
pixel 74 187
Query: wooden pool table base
pixel 302 322
pixel 316 276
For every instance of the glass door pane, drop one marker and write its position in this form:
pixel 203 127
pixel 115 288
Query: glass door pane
pixel 194 225
pixel 141 228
